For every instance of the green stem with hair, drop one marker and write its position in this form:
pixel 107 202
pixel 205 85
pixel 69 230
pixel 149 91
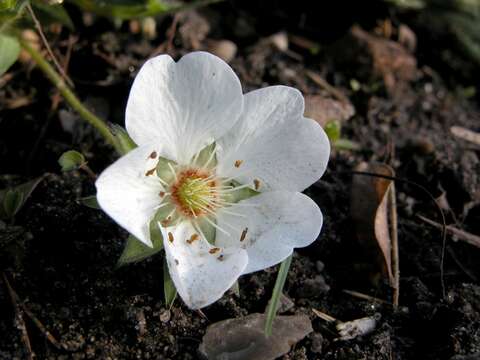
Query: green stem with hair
pixel 70 97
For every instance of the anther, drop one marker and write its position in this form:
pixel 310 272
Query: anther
pixel 150 172
pixel 153 155
pixel 192 238
pixel 165 223
pixel 176 262
pixel 238 163
pixel 256 182
pixel 214 250
pixel 170 237
pixel 220 257
pixel 244 234
pixel 161 193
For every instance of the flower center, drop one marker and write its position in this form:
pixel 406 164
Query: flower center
pixel 195 192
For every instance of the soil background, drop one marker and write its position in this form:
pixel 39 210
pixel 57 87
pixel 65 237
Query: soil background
pixel 63 262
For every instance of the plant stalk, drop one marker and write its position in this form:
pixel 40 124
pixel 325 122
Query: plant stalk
pixel 70 97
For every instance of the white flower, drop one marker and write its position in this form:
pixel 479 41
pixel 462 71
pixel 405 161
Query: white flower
pixel 204 149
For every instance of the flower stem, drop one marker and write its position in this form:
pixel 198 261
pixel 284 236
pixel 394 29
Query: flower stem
pixel 70 97
pixel 277 291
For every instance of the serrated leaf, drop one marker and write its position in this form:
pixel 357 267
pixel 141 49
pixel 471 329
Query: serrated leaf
pixel 12 202
pixel 48 14
pixel 169 290
pixel 90 201
pixel 9 51
pixel 135 250
pixel 13 205
pixel 71 160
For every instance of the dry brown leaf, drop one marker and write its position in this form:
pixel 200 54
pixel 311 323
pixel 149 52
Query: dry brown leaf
pixel 369 208
pixel 323 110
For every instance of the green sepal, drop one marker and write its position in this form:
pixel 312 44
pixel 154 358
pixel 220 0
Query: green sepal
pixel 169 290
pixel 240 194
pixel 205 156
pixel 9 50
pixel 90 201
pixel 13 199
pixel 71 160
pixel 124 140
pixel 136 251
pixel 164 171
pixel 208 230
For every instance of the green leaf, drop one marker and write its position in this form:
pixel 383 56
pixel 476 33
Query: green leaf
pixel 123 139
pixel 169 289
pixel 135 250
pixel 129 9
pixel 333 128
pixel 7 5
pixel 277 290
pixel 48 14
pixel 12 202
pixel 13 199
pixel 71 160
pixel 344 144
pixel 90 201
pixel 9 51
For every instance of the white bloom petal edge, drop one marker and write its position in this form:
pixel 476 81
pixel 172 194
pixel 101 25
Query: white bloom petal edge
pixel 185 105
pixel 275 143
pixel 277 222
pixel 201 272
pixel 127 195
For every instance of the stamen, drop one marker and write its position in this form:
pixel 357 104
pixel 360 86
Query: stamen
pixel 216 226
pixel 153 155
pixel 172 170
pixel 256 182
pixel 170 237
pixel 238 163
pixel 162 193
pixel 214 250
pixel 210 158
pixel 233 213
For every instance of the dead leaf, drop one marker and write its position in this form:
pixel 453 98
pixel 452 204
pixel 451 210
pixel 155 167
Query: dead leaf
pixel 244 338
pixel 322 109
pixel 369 208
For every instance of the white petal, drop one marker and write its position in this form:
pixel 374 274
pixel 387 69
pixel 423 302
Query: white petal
pixel 200 277
pixel 277 222
pixel 127 195
pixel 185 105
pixel 274 142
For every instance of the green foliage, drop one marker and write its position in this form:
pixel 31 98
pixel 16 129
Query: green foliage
pixel 13 199
pixel 90 201
pixel 71 160
pixel 277 291
pixel 54 13
pixel 169 290
pixel 135 250
pixel 130 9
pixel 9 51
pixel 333 128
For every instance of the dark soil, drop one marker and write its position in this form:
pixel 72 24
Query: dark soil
pixel 64 265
